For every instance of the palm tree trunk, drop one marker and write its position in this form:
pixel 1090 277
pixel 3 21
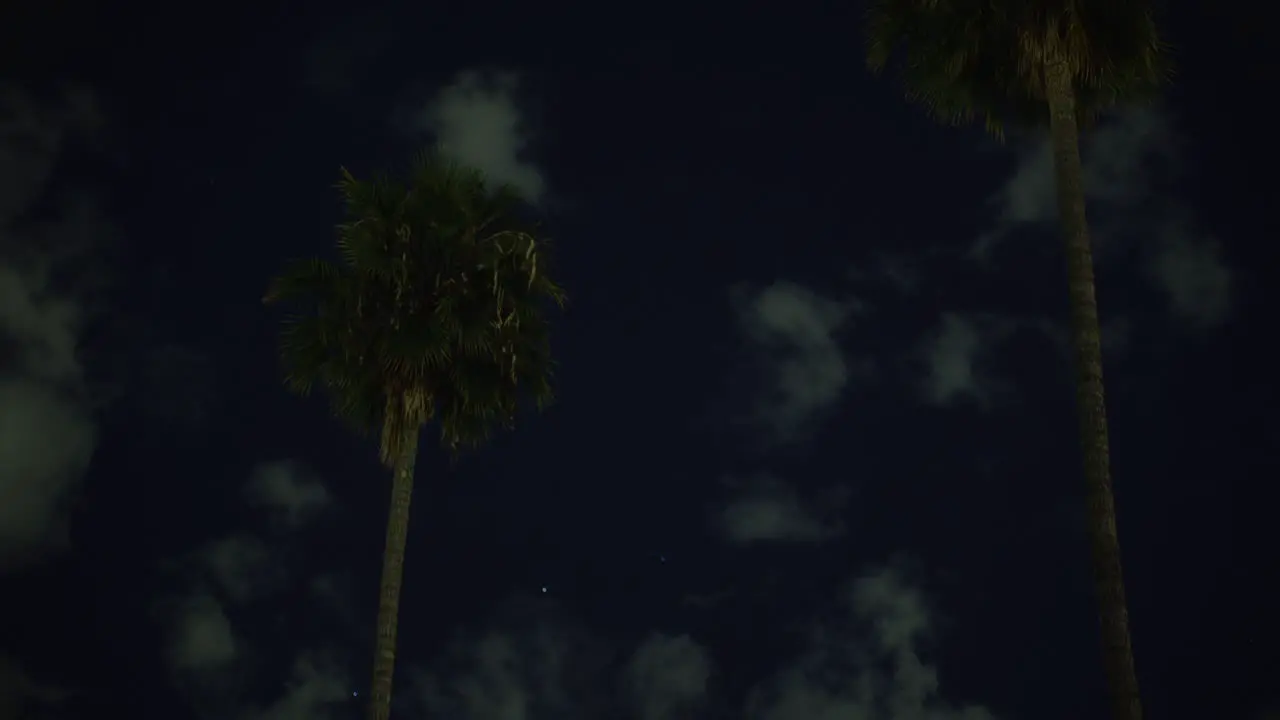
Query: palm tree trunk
pixel 1108 580
pixel 384 657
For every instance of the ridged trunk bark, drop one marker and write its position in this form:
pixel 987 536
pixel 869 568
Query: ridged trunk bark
pixel 1108 579
pixel 384 655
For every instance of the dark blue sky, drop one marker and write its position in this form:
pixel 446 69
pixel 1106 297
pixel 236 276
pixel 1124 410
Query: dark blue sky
pixel 814 454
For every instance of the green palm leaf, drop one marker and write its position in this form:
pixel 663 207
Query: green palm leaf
pixel 440 290
pixel 967 60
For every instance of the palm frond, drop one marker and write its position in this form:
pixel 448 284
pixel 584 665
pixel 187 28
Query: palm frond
pixel 437 311
pixel 966 60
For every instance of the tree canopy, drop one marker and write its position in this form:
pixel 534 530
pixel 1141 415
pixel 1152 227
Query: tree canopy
pixel 966 60
pixel 434 311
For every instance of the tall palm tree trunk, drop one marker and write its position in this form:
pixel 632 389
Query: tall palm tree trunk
pixel 384 656
pixel 1108 580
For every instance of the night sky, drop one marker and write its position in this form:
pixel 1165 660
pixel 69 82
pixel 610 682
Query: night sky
pixel 814 452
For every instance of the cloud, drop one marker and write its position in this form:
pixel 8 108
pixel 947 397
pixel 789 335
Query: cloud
pixel 765 509
pixel 795 332
pixel 1116 335
pixel 200 638
pixel 1194 279
pixel 863 664
pixel 242 566
pixel 46 441
pixel 897 272
pixel 953 353
pixel 316 690
pixel 1126 160
pixel 288 491
pixel 477 120
pixel 667 678
pixel 1120 158
pixel 531 662
pixel 33 137
pixel 494 687
pixel 47 430
pixel 536 665
pixel 215 660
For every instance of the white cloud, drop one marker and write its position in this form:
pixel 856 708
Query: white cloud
pixel 953 354
pixel 1116 335
pixel 543 666
pixel 242 566
pixel 1194 279
pixel 32 138
pixel 667 678
pixel 46 441
pixel 287 490
pixel 200 637
pixel 795 331
pixel 894 271
pixel 477 120
pixel 1119 157
pixel 863 664
pixel 316 690
pixel 494 687
pixel 47 431
pixel 215 659
pixel 537 666
pixel 1125 160
pixel 765 509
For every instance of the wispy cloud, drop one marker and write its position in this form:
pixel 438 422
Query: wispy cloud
pixel 1127 162
pixel 242 566
pixel 667 677
pixel 794 333
pixel 47 428
pixel 546 666
pixel 765 509
pixel 477 120
pixel 536 665
pixel 201 639
pixel 231 581
pixel 286 490
pixel 316 689
pixel 863 663
pixel 1194 278
pixel 954 356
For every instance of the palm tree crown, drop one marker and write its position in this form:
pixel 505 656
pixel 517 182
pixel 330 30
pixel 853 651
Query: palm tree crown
pixel 435 310
pixel 986 59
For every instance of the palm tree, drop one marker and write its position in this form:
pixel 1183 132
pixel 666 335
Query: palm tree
pixel 1060 62
pixel 435 313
